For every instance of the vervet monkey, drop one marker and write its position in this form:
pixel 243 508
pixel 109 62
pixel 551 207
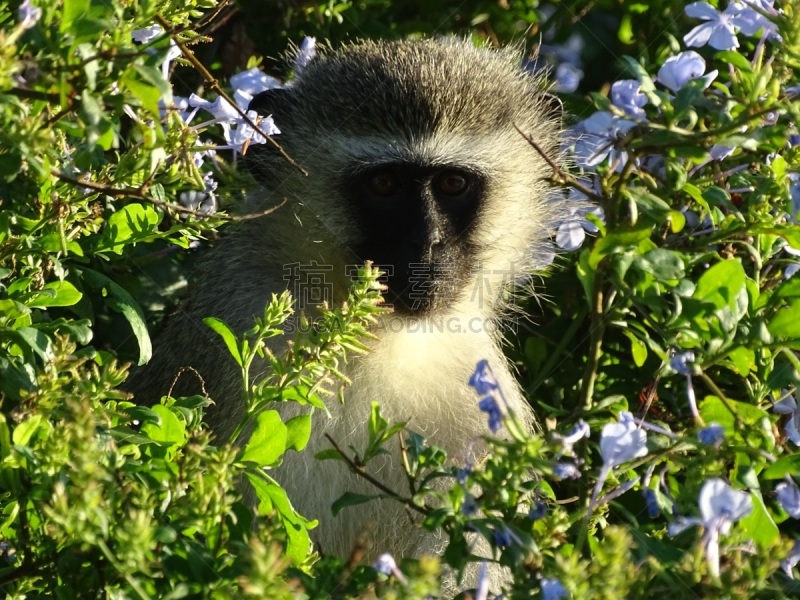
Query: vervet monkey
pixel 414 162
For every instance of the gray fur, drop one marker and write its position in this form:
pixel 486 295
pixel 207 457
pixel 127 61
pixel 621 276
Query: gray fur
pixel 427 102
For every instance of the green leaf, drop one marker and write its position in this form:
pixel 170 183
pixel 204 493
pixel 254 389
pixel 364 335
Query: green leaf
pixel 350 499
pixel 329 454
pixel 153 76
pixel 721 284
pixel 616 242
pixel 268 442
pixel 663 264
pixel 122 302
pixel 786 322
pixel 301 393
pixel 638 348
pixel 788 464
pixel 789 289
pixel 650 204
pixel 132 223
pixel 298 432
pixel 271 498
pixel 170 429
pixel 734 58
pixel 227 336
pixel 56 293
pixel 73 10
pixel 23 432
pixel 759 524
pixel 677 221
pixel 37 341
pixel 743 359
pixel 712 409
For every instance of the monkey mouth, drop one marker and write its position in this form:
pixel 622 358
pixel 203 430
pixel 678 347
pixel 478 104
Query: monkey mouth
pixel 421 288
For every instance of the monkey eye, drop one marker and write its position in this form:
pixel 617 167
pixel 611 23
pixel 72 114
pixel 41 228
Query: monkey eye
pixel 383 183
pixel 451 183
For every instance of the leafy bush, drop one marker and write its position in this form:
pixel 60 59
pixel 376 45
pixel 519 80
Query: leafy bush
pixel 665 374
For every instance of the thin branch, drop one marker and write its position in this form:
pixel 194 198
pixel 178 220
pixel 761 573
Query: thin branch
pixel 139 194
pixel 596 332
pixel 563 177
pixel 214 85
pixel 362 472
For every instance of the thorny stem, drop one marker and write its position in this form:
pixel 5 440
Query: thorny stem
pixel 362 472
pixel 214 85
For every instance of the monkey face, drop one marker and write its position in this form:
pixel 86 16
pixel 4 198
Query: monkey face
pixel 415 161
pixel 416 222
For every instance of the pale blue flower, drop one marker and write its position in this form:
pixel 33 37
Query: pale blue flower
pixel 565 470
pixel 222 110
pixel 386 564
pixel 682 68
pixel 28 15
pixel 749 21
pixel 720 152
pixel 788 495
pixel 576 434
pixel 493 408
pixel 305 54
pixel 552 589
pixel 537 511
pixel 794 195
pixel 566 60
pixel 791 560
pixel 485 383
pixel 482 589
pixel 711 435
pixel 567 78
pixel 147 34
pixel 503 537
pixel 717 31
pixel 720 507
pixel 483 379
pixel 243 132
pixel 247 84
pixel 681 363
pixel 253 81
pixel 653 510
pixel 571 233
pixel 598 139
pixel 788 406
pixel 627 95
pixel 622 441
pixel 469 507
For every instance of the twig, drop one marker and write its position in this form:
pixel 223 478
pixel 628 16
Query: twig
pixel 563 177
pixel 596 332
pixel 214 85
pixel 139 194
pixel 362 472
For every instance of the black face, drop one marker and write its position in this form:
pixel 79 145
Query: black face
pixel 417 222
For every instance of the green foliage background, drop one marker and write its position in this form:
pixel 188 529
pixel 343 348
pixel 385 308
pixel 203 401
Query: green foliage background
pixel 103 498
